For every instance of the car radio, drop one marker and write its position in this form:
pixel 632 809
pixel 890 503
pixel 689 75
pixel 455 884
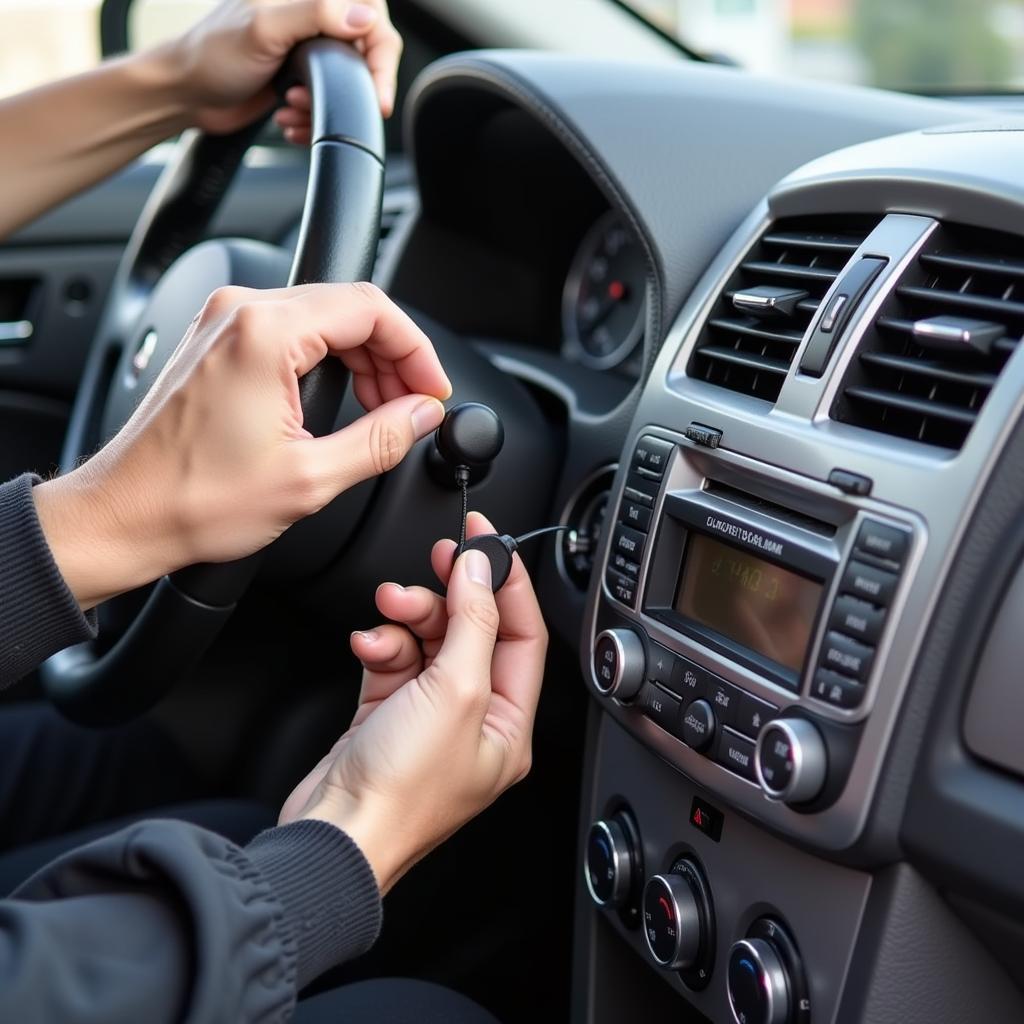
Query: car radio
pixel 743 614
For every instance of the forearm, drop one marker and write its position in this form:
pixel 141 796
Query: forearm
pixel 61 138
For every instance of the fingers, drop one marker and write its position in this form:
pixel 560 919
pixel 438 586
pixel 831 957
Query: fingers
pixel 385 350
pixel 390 657
pixel 416 608
pixel 374 444
pixel 280 26
pixel 462 668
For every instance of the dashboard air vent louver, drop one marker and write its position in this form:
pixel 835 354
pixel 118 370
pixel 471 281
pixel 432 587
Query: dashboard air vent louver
pixel 759 320
pixel 925 368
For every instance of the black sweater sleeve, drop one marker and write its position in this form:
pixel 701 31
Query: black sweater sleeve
pixel 38 614
pixel 167 922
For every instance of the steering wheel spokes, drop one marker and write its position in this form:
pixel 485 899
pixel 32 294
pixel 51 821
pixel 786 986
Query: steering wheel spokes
pixel 163 279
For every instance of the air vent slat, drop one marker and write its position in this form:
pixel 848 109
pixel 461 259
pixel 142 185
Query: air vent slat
pixel 954 261
pixel 750 350
pixel 756 330
pixel 746 359
pixel 963 300
pixel 927 368
pixel 848 244
pixel 763 268
pixel 935 352
pixel 914 405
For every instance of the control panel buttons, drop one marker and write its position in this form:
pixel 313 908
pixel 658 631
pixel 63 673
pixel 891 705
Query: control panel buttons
pixel 619 663
pixel 882 541
pixel 660 665
pixel 841 654
pixel 623 588
pixel 857 618
pixel 765 978
pixel 725 699
pixel 752 715
pixel 838 690
pixel 690 681
pixel 609 863
pixel 736 753
pixel 791 760
pixel 625 566
pixel 634 514
pixel 660 706
pixel 671 921
pixel 629 542
pixel 641 489
pixel 697 725
pixel 652 455
pixel 868 582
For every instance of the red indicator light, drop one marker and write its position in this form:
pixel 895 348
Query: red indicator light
pixel 616 290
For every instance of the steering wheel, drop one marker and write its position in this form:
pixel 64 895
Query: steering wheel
pixel 163 279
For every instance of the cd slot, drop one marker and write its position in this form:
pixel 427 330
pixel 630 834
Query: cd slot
pixel 764 507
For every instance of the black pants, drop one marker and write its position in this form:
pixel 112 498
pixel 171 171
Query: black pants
pixel 63 786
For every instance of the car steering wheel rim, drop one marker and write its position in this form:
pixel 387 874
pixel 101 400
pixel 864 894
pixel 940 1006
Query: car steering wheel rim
pixel 337 242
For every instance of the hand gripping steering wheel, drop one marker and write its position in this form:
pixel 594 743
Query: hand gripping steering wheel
pixel 164 277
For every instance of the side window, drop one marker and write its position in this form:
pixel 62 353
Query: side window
pixel 153 21
pixel 41 40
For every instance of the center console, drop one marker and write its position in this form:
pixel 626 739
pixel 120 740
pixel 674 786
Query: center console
pixel 802 463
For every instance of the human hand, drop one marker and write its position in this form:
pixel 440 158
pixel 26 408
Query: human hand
pixel 445 717
pixel 214 463
pixel 226 62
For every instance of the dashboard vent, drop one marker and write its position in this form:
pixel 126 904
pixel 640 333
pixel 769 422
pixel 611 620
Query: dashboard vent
pixel 759 320
pixel 925 368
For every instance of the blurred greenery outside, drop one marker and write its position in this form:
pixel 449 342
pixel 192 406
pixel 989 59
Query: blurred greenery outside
pixel 924 45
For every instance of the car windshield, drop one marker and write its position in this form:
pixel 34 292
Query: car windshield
pixel 933 46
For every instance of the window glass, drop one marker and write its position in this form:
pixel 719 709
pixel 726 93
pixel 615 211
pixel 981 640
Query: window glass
pixel 45 39
pixel 919 45
pixel 153 21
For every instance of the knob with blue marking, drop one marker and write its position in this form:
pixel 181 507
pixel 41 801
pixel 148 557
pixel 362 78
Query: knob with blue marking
pixel 608 870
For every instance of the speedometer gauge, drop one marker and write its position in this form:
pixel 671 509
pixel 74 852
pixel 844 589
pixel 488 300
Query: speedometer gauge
pixel 603 300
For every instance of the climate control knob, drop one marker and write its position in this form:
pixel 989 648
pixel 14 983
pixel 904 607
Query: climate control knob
pixel 765 979
pixel 791 761
pixel 757 982
pixel 679 922
pixel 619 663
pixel 608 870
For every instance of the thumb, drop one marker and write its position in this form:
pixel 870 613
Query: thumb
pixel 280 26
pixel 375 443
pixel 463 664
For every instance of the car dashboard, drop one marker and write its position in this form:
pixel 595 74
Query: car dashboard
pixel 782 322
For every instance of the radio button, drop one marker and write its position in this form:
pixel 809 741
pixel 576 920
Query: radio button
pixel 791 760
pixel 736 753
pixel 622 587
pixel 725 699
pixel 869 583
pixel 842 654
pixel 857 619
pixel 652 454
pixel 837 690
pixel 629 543
pixel 690 681
pixel 697 725
pixel 634 514
pixel 624 565
pixel 660 706
pixel 882 541
pixel 753 714
pixel 660 663
pixel 619 663
pixel 641 489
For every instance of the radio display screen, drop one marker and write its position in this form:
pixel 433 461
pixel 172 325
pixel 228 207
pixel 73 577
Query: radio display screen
pixel 754 603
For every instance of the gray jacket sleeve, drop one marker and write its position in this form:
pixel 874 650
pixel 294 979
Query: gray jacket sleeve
pixel 163 921
pixel 38 614
pixel 168 922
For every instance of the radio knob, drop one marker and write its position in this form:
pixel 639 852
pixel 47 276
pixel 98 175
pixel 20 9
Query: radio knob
pixel 791 761
pixel 619 663
pixel 758 985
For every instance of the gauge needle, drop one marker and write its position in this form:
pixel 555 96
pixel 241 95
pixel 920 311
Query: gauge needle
pixel 616 293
